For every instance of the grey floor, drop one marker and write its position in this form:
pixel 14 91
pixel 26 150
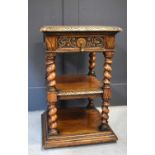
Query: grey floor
pixel 117 121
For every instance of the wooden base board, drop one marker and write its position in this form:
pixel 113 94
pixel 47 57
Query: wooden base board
pixel 77 126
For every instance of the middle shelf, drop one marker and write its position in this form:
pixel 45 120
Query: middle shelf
pixel 78 86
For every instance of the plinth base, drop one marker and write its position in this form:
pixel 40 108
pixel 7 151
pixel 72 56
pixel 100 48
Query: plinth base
pixel 77 126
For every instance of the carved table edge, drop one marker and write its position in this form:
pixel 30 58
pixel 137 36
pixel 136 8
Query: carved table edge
pixel 50 28
pixel 67 93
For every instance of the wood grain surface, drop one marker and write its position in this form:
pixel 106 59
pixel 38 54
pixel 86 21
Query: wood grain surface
pixel 77 126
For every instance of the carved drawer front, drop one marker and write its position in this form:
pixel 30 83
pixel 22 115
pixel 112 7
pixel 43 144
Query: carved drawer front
pixel 80 43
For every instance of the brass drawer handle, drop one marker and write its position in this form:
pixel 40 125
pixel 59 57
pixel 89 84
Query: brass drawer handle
pixel 81 43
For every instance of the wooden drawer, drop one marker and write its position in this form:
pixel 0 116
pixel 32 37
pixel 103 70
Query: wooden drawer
pixel 79 43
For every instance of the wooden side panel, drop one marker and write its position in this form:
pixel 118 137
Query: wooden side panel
pixel 109 41
pixel 51 43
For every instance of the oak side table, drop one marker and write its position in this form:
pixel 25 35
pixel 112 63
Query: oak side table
pixel 78 126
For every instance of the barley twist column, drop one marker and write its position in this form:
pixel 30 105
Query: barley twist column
pixel 106 90
pixel 52 96
pixel 92 64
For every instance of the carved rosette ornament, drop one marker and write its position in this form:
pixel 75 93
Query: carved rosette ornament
pixel 52 96
pixel 106 90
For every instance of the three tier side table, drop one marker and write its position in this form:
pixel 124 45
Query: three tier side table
pixel 78 126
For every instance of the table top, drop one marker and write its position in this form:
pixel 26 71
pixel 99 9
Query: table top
pixel 83 28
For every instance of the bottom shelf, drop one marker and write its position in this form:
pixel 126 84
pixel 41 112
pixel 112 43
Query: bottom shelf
pixel 77 126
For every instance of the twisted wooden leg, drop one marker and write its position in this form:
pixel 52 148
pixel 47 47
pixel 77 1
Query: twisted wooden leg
pixel 106 90
pixel 90 104
pixel 92 63
pixel 52 96
pixel 52 119
pixel 51 71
